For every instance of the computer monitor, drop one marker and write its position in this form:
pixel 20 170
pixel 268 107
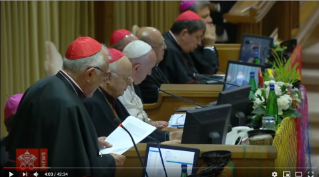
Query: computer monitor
pixel 173 158
pixel 207 125
pixel 238 74
pixel 248 45
pixel 239 99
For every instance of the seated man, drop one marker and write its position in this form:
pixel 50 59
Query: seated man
pixel 130 99
pixel 9 110
pixel 184 37
pixel 120 38
pixel 104 106
pixel 154 38
pixel 52 116
pixel 205 56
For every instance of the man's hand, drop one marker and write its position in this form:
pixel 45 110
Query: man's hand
pixel 209 38
pixel 172 142
pixel 159 124
pixel 119 161
pixel 103 143
pixel 176 135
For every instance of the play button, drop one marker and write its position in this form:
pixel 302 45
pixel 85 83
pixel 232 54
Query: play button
pixel 10 174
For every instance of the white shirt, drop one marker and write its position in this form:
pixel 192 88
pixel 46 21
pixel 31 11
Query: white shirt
pixel 133 104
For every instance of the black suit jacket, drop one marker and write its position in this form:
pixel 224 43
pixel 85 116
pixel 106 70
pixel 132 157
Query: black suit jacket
pixel 102 115
pixel 205 60
pixel 149 86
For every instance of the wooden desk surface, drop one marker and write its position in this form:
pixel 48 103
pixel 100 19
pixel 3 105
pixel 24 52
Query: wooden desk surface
pixel 166 104
pixel 249 160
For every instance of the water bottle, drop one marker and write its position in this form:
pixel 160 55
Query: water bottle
pixel 184 170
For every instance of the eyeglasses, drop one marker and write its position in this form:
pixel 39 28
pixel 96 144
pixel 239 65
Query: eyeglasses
pixel 128 79
pixel 106 75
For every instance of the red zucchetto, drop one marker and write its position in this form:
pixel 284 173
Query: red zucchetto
pixel 188 15
pixel 83 47
pixel 116 55
pixel 118 35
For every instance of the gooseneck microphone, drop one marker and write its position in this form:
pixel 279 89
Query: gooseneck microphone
pixel 160 153
pixel 119 123
pixel 178 97
pixel 223 82
pixel 220 69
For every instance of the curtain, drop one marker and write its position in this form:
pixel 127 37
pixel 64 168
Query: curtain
pixel 25 26
pixel 158 14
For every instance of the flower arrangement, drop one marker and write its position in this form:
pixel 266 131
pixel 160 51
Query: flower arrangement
pixel 283 76
pixel 288 99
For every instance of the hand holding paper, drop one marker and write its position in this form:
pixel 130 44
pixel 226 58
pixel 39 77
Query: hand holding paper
pixel 121 140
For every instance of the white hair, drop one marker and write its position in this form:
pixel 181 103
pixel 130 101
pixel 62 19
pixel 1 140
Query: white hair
pixel 113 67
pixel 80 65
pixel 199 4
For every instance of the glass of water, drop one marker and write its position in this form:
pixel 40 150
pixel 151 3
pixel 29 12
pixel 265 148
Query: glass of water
pixel 268 122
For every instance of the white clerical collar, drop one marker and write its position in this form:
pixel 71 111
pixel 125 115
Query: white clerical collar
pixel 67 75
pixel 173 36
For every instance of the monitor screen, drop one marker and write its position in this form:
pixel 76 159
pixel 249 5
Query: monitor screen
pixel 238 74
pixel 173 159
pixel 207 125
pixel 250 43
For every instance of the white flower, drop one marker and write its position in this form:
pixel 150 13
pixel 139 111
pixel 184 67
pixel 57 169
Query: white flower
pixel 267 83
pixel 284 102
pixel 279 83
pixel 277 90
pixel 257 100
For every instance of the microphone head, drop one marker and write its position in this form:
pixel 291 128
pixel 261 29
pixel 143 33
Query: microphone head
pixel 155 87
pixel 117 121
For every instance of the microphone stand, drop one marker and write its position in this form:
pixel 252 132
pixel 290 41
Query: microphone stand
pixel 159 150
pixel 216 80
pixel 188 101
pixel 117 120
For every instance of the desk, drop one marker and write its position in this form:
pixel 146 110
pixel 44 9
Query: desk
pixel 166 104
pixel 247 159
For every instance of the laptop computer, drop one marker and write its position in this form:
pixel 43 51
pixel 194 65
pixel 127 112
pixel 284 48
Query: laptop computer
pixel 173 158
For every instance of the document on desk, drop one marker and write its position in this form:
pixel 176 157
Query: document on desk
pixel 177 120
pixel 121 140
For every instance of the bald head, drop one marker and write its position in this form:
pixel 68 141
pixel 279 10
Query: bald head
pixel 154 38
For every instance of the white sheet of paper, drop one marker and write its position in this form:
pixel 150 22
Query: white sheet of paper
pixel 177 120
pixel 121 140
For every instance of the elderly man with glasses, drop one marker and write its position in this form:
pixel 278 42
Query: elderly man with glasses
pixel 51 119
pixel 126 71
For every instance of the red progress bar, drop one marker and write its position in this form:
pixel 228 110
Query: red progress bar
pixel 26 167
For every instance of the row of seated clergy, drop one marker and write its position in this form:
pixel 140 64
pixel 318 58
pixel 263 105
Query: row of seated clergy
pixel 186 52
pixel 104 106
pixel 121 38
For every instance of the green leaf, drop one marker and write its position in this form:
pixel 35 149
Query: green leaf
pixel 290 112
pixel 259 97
pixel 257 119
pixel 259 111
pixel 283 88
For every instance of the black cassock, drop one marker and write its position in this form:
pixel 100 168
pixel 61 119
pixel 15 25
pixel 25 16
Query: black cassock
pixel 102 115
pixel 150 84
pixel 205 60
pixel 177 66
pixel 52 115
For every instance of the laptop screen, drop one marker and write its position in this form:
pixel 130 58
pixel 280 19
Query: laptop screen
pixel 238 74
pixel 173 160
pixel 250 43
